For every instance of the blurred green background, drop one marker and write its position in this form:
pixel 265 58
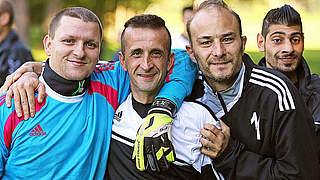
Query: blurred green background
pixel 33 16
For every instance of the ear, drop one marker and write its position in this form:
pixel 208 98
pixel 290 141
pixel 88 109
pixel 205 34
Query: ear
pixel 303 40
pixel 4 19
pixel 244 42
pixel 171 61
pixel 260 42
pixel 47 45
pixel 122 61
pixel 191 53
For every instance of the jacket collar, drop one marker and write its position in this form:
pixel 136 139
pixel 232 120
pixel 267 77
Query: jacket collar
pixel 198 87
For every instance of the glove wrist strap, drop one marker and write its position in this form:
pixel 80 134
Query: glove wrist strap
pixel 161 105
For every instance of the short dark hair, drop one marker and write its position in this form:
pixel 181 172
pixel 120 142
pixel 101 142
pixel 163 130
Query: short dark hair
pixel 213 3
pixel 285 15
pixel 77 12
pixel 145 21
pixel 188 8
pixel 7 7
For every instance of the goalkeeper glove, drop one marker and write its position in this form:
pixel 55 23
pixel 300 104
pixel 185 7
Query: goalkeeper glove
pixel 153 146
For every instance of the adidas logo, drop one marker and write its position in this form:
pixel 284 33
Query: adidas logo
pixel 118 116
pixel 37 131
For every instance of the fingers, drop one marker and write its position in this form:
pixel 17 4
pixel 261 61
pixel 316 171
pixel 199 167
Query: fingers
pixel 8 97
pixel 210 131
pixel 27 67
pixel 41 92
pixel 151 155
pixel 30 104
pixel 24 103
pixel 7 84
pixel 23 91
pixel 213 145
pixel 225 129
pixel 214 141
pixel 212 128
pixel 212 153
pixel 16 100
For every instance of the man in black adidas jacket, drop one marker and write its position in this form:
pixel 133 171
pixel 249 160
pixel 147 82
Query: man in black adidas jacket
pixel 282 40
pixel 271 130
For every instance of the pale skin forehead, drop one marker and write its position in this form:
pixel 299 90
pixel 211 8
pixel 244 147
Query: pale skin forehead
pixel 77 27
pixel 213 19
pixel 145 38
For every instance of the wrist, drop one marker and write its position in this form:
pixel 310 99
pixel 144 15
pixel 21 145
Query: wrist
pixel 162 105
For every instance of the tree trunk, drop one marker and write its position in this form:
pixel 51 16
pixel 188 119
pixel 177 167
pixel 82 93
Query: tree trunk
pixel 22 19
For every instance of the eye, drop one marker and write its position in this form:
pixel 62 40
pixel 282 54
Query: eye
pixel 68 41
pixel 276 40
pixel 91 45
pixel 295 40
pixel 205 42
pixel 156 54
pixel 227 40
pixel 136 53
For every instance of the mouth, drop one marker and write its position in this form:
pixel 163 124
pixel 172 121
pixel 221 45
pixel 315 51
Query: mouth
pixel 146 76
pixel 287 59
pixel 77 63
pixel 220 63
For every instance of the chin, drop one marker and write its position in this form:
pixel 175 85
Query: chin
pixel 77 77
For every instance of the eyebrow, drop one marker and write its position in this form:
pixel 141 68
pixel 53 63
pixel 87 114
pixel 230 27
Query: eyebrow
pixel 280 32
pixel 156 49
pixel 133 50
pixel 204 37
pixel 228 34
pixel 223 35
pixel 297 33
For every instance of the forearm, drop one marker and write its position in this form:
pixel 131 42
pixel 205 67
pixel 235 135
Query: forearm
pixel 26 67
pixel 180 79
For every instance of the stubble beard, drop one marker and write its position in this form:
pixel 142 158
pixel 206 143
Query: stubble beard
pixel 213 79
pixel 285 68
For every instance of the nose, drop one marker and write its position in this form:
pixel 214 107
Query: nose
pixel 287 47
pixel 79 50
pixel 217 49
pixel 146 63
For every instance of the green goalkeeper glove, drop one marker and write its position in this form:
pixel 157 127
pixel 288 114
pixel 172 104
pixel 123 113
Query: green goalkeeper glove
pixel 153 146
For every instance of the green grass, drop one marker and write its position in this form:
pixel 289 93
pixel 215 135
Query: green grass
pixel 312 57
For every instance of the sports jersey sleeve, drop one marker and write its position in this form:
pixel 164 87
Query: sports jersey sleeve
pixel 5 133
pixel 114 80
pixel 293 155
pixel 180 78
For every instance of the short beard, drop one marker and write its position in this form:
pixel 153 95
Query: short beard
pixel 286 68
pixel 206 72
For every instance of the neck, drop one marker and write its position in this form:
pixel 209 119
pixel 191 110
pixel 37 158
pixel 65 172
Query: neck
pixel 143 97
pixel 292 75
pixel 220 86
pixel 223 84
pixel 4 33
pixel 63 86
